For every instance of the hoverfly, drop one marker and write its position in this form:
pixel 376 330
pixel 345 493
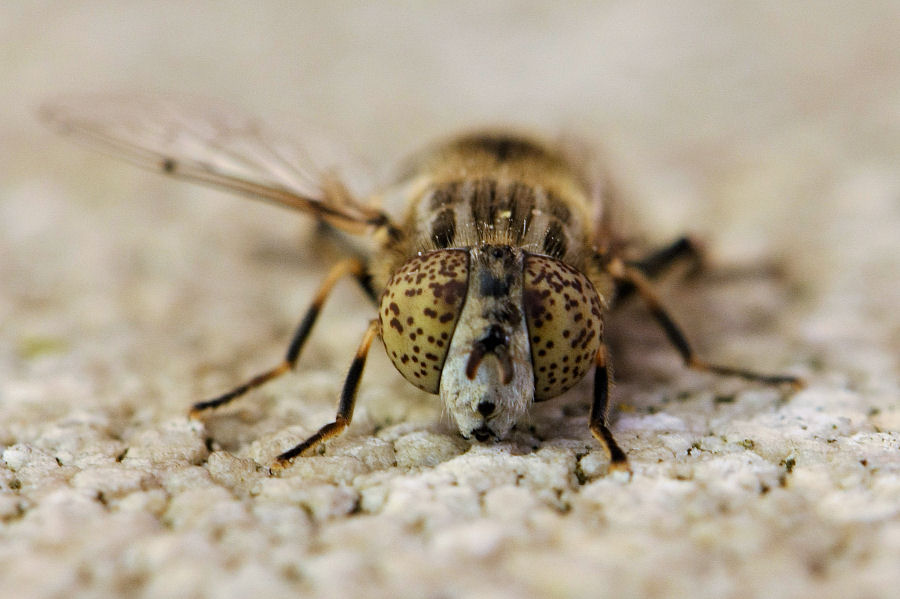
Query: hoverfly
pixel 490 290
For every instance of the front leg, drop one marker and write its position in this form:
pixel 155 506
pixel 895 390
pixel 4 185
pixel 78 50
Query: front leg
pixel 599 409
pixel 345 407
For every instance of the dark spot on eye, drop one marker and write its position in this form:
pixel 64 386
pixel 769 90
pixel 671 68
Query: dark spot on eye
pixel 451 292
pixel 588 339
pixel 533 299
pixel 394 308
pixel 431 357
pixel 577 340
pixel 404 358
pixel 430 313
pixel 409 320
pixel 395 324
pixel 447 317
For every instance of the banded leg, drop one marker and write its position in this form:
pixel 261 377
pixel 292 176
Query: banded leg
pixel 598 419
pixel 351 266
pixel 644 288
pixel 345 407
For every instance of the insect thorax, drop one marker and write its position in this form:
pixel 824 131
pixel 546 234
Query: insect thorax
pixel 498 190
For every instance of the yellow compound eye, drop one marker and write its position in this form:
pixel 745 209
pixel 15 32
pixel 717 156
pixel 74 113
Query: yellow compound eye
pixel 419 310
pixel 565 324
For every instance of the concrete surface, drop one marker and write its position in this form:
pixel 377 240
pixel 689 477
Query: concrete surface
pixel 770 130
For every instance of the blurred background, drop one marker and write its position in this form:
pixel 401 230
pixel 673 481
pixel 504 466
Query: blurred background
pixel 770 129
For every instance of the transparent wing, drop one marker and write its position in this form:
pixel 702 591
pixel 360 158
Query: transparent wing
pixel 214 144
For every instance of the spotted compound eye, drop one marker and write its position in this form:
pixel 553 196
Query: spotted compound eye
pixel 419 310
pixel 565 324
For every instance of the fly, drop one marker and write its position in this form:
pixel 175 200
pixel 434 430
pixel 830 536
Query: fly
pixel 490 290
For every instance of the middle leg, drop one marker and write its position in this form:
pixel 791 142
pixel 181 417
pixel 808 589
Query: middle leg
pixel 654 265
pixel 351 266
pixel 632 276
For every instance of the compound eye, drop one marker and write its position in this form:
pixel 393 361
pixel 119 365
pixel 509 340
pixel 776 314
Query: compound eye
pixel 419 310
pixel 565 326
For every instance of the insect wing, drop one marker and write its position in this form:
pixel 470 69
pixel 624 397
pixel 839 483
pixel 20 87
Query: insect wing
pixel 214 144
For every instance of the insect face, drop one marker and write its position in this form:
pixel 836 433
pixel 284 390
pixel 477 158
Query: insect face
pixel 488 381
pixel 491 328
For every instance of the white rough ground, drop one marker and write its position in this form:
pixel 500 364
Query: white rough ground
pixel 769 129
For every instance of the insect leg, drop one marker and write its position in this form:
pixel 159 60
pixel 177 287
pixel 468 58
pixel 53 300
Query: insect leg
pixel 598 420
pixel 657 262
pixel 627 274
pixel 351 266
pixel 661 260
pixel 345 407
